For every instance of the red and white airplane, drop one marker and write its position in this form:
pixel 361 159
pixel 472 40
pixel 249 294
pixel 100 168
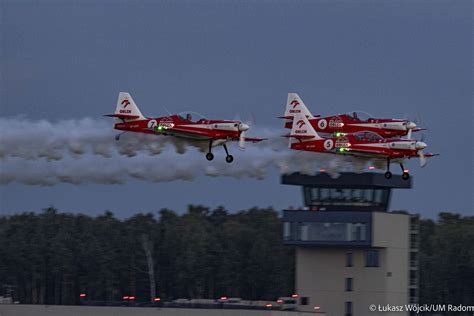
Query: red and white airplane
pixel 128 118
pixel 348 123
pixel 362 144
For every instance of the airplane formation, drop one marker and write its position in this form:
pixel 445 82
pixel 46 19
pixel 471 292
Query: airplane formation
pixel 354 134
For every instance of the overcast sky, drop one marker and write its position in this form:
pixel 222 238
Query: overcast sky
pixel 69 59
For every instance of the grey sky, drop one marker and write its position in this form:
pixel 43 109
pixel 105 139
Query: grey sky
pixel 69 60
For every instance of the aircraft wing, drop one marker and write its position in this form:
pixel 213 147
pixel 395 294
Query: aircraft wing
pixel 184 132
pixel 369 152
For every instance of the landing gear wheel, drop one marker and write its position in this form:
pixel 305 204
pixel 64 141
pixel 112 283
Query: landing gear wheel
pixel 229 158
pixel 388 175
pixel 209 156
pixel 405 176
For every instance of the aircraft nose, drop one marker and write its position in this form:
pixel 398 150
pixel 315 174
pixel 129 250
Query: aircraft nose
pixel 243 127
pixel 411 125
pixel 421 145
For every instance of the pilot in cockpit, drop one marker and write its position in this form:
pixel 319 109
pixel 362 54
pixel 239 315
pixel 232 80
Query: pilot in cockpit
pixel 354 116
pixel 189 117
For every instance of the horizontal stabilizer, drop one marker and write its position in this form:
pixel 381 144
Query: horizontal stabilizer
pixel 123 116
pixel 291 117
pixel 298 136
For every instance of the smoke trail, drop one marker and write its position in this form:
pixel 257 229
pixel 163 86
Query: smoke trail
pixel 85 151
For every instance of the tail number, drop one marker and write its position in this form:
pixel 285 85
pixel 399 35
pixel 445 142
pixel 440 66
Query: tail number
pixel 322 124
pixel 151 124
pixel 328 144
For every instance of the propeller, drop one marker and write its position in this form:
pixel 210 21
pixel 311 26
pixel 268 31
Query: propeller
pixel 420 145
pixel 242 128
pixel 423 160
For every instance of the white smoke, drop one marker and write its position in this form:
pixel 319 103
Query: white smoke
pixel 85 151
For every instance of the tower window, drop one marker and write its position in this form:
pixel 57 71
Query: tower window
pixel 349 284
pixel 349 262
pixel 348 308
pixel 372 258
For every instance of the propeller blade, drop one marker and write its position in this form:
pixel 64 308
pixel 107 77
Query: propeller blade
pixel 423 160
pixel 242 140
pixel 409 133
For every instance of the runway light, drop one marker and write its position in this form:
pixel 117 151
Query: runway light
pixel 294 295
pixel 125 297
pixel 371 167
pixel 268 305
pixel 157 299
pixel 279 301
pixel 223 298
pixel 322 170
pixel 83 295
pixel 131 297
pixel 317 308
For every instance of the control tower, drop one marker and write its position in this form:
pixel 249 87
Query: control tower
pixel 350 251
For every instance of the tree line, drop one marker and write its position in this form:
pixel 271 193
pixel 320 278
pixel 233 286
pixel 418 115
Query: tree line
pixel 52 257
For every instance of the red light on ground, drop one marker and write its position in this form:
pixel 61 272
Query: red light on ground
pixel 279 301
pixel 294 295
pixel 131 297
pixel 371 167
pixel 268 305
pixel 83 295
pixel 317 308
pixel 322 170
pixel 223 298
pixel 157 299
pixel 125 297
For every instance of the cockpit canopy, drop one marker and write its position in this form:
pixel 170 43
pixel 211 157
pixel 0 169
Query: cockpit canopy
pixel 368 136
pixel 359 116
pixel 191 116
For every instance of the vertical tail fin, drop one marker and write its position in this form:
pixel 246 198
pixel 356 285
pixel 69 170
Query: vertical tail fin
pixel 302 130
pixel 127 107
pixel 295 105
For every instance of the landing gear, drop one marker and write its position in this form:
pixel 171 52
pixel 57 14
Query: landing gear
pixel 209 156
pixel 228 158
pixel 388 174
pixel 405 174
pixel 117 137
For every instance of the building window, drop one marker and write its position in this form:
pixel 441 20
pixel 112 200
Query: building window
pixel 372 258
pixel 348 309
pixel 286 231
pixel 358 232
pixel 349 284
pixel 349 262
pixel 304 231
pixel 304 300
